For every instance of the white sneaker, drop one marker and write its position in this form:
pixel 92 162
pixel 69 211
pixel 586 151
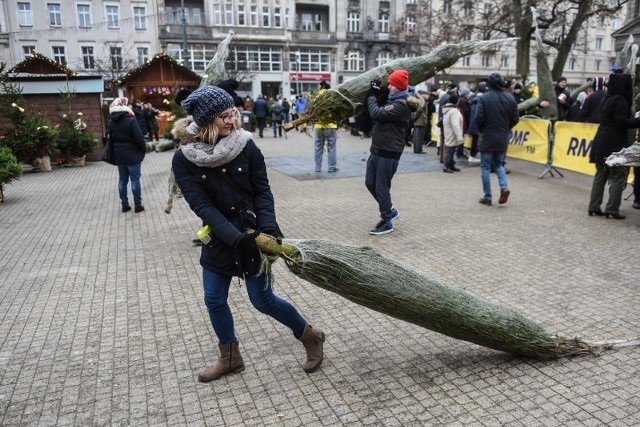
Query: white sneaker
pixel 472 159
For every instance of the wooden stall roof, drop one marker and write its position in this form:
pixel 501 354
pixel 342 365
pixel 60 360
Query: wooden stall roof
pixel 161 70
pixel 40 64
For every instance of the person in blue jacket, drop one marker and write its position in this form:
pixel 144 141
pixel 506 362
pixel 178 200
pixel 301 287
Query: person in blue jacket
pixel 223 177
pixel 129 149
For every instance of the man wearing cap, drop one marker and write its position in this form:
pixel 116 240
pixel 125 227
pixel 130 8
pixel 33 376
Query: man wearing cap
pixel 563 97
pixel 390 123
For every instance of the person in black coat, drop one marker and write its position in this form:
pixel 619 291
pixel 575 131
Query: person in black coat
pixel 563 98
pixel 590 111
pixel 129 149
pixel 390 124
pixel 497 112
pixel 612 135
pixel 223 177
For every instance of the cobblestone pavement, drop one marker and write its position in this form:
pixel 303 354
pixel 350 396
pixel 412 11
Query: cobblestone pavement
pixel 102 320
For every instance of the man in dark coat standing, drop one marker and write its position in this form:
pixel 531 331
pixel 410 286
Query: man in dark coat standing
pixel 497 113
pixel 261 110
pixel 590 110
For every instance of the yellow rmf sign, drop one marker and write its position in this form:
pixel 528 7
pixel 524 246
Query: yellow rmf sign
pixel 530 140
pixel 572 144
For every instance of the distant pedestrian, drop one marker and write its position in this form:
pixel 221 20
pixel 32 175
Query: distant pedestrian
pixel 453 128
pixel 261 110
pixel 325 135
pixel 150 116
pixel 276 118
pixel 497 113
pixel 390 124
pixel 129 148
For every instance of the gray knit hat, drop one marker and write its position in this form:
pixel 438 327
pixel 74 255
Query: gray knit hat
pixel 207 102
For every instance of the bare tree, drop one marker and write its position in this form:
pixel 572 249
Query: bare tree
pixel 561 22
pixel 114 65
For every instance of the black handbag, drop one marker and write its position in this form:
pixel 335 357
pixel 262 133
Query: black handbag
pixel 108 155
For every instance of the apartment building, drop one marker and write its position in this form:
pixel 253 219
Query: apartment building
pixel 283 47
pixel 105 37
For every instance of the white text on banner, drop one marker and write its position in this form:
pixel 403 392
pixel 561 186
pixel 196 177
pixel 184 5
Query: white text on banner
pixel 530 140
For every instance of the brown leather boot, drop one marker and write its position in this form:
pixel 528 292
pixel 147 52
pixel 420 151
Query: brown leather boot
pixel 229 361
pixel 313 340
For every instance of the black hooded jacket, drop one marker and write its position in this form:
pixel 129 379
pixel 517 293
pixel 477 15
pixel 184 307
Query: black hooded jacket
pixel 126 136
pixel 615 119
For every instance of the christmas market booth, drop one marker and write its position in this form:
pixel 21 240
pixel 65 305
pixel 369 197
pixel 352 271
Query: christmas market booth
pixel 55 91
pixel 157 82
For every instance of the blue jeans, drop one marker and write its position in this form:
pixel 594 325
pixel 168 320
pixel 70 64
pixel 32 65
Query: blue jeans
pixel 492 160
pixel 329 136
pixel 380 171
pixel 126 173
pixel 216 293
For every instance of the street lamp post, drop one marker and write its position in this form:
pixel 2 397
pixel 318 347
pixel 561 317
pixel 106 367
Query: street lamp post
pixel 298 74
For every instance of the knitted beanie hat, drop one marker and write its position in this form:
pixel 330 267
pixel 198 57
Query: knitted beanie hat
pixel 206 103
pixel 400 79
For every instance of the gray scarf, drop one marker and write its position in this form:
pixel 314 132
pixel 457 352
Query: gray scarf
pixel 224 151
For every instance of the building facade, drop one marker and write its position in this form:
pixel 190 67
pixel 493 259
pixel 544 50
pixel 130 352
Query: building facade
pixel 279 47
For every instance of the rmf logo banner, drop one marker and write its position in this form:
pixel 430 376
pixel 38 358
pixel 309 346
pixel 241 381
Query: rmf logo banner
pixel 530 140
pixel 572 144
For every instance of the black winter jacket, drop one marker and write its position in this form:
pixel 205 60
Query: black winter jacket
pixel 226 208
pixel 127 139
pixel 390 124
pixel 497 113
pixel 590 111
pixel 615 119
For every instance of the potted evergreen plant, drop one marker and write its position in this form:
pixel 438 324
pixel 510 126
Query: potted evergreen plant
pixel 73 140
pixel 10 169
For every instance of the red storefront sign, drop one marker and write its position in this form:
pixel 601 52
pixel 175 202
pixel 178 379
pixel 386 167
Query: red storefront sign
pixel 309 77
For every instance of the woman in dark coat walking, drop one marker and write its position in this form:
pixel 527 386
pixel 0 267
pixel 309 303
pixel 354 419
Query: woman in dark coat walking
pixel 129 149
pixel 223 176
pixel 612 136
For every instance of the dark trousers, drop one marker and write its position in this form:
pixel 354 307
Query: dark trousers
pixel 380 171
pixel 636 184
pixel 617 177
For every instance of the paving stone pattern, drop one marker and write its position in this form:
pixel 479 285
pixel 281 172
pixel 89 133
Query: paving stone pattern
pixel 102 320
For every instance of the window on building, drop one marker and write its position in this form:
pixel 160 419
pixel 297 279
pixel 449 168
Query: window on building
pixel 88 58
pixel 504 61
pixel 572 64
pixel 253 14
pixel 28 51
pixel 353 61
pixel 266 16
pixel 59 55
pixel 143 55
pixel 598 64
pixel 25 15
pixel 468 9
pixel 615 23
pixel 353 22
pixel 55 15
pixel 115 55
pixel 198 57
pixel 383 57
pixel 411 1
pixel 602 21
pixel 255 58
pixel 228 14
pixel 242 15
pixel 113 16
pixel 488 8
pixel 411 25
pixel 306 20
pixel 447 7
pixel 317 22
pixel 312 60
pixel 598 43
pixel 197 16
pixel 174 50
pixel 168 15
pixel 217 14
pixel 466 61
pixel 383 22
pixel 277 17
pixel 140 18
pixel 486 61
pixel 84 15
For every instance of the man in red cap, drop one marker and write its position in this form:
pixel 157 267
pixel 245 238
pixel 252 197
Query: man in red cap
pixel 391 120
